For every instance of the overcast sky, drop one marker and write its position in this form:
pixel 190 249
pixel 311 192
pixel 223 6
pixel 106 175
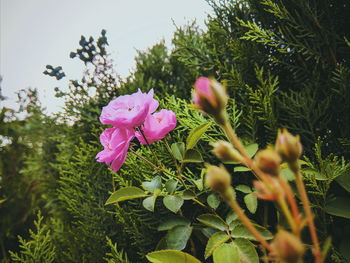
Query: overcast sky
pixel 34 33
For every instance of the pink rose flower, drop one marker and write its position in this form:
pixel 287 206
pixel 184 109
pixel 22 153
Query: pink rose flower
pixel 129 111
pixel 116 144
pixel 157 126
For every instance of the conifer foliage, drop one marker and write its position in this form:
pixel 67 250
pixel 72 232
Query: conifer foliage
pixel 283 63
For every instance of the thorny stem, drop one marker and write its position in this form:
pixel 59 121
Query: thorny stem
pixel 308 212
pixel 248 224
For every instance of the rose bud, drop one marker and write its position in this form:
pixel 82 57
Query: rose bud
pixel 217 178
pixel 288 146
pixel 225 151
pixel 268 161
pixel 265 192
pixel 288 247
pixel 210 97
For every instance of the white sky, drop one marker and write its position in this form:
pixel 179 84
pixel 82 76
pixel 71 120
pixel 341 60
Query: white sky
pixel 34 33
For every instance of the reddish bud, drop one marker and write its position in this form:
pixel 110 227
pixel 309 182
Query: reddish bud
pixel 288 247
pixel 268 192
pixel 268 161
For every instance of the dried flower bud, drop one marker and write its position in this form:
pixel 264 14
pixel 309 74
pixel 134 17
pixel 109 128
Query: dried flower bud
pixel 269 192
pixel 218 179
pixel 211 97
pixel 268 161
pixel 288 146
pixel 289 247
pixel 225 151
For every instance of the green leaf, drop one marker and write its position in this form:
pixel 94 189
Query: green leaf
pixel 251 202
pixel 173 203
pixel 171 256
pixel 226 253
pixel 173 221
pixel 177 237
pixel 231 217
pixel 251 149
pixel 344 181
pixel 241 169
pixel 216 240
pixel 126 193
pixel 149 203
pixel 213 221
pixel 213 200
pixel 196 134
pixel 193 156
pixel 287 174
pixel 151 186
pixel 188 195
pixel 339 206
pixel 178 150
pixel 243 188
pixel 170 185
pixel 240 231
pixel 247 250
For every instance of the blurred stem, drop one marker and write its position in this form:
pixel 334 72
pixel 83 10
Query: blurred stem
pixel 293 204
pixel 248 224
pixel 285 209
pixel 307 209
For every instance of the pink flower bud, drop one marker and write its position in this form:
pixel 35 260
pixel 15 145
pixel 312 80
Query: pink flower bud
pixel 210 97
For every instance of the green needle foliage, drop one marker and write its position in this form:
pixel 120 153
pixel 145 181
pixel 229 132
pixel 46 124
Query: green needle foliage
pixel 284 63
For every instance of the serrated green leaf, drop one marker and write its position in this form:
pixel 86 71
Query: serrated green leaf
pixel 173 203
pixel 214 242
pixel 240 231
pixel 338 206
pixel 151 186
pixel 226 253
pixel 231 217
pixel 241 169
pixel 251 202
pixel 177 237
pixel 247 250
pixel 193 156
pixel 251 149
pixel 149 203
pixel 196 134
pixel 213 221
pixel 126 193
pixel 243 188
pixel 170 185
pixel 188 195
pixel 171 256
pixel 173 221
pixel 178 150
pixel 213 200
